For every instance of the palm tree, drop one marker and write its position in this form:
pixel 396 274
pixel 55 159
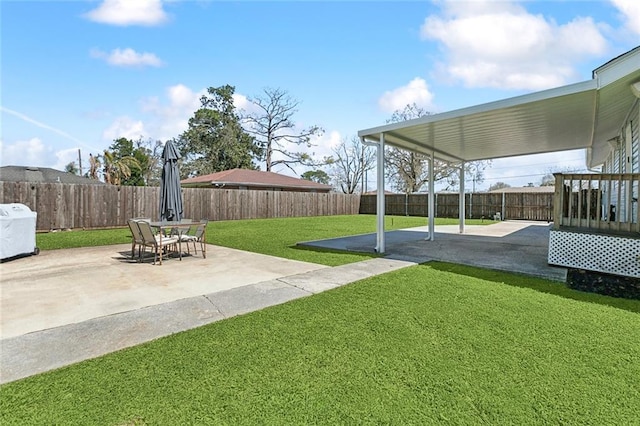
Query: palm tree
pixel 115 169
pixel 94 166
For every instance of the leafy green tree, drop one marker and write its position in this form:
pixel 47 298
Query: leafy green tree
pixel 72 168
pixel 215 140
pixel 127 162
pixel 275 130
pixel 117 170
pixel 318 176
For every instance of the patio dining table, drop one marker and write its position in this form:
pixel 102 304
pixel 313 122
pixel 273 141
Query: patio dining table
pixel 182 226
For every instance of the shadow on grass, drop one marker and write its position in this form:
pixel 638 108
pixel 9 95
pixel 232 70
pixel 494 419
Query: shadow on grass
pixel 538 284
pixel 335 251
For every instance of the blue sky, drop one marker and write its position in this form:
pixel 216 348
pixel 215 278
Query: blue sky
pixel 79 74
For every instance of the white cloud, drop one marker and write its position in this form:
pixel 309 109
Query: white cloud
pixel 244 104
pixel 324 144
pixel 124 127
pixel 501 45
pixel 241 102
pixel 171 117
pixel 416 91
pixel 64 157
pixel 34 152
pixel 630 10
pixel 31 152
pixel 129 12
pixel 127 58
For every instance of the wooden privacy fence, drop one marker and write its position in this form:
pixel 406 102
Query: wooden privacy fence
pixel 510 205
pixel 62 206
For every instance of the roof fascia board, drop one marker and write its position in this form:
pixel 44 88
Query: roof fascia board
pixel 618 68
pixel 269 185
pixel 570 89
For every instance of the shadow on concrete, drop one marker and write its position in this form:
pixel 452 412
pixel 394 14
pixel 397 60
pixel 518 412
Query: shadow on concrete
pixel 549 287
pixel 148 257
pixel 519 247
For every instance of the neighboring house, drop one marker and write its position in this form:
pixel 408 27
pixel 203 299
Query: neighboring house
pixel 596 225
pixel 42 175
pixel 255 180
pixel 374 192
pixel 524 190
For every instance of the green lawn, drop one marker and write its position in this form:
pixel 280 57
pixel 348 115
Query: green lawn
pixel 430 344
pixel 276 237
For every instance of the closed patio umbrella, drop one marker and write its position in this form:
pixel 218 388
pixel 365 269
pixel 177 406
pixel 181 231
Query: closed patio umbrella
pixel 170 194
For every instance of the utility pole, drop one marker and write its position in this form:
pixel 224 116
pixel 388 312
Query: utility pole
pixel 79 162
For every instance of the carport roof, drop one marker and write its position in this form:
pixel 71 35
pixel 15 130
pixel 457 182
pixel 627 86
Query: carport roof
pixel 581 115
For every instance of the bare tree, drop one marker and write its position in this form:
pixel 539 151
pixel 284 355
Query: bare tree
pixel 498 185
pixel 549 180
pixel 152 167
pixel 274 129
pixel 352 160
pixel 409 171
pixel 473 169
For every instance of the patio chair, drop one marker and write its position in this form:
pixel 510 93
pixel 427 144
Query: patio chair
pixel 153 241
pixel 195 235
pixel 179 232
pixel 136 237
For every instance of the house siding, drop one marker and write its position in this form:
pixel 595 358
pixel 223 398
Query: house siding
pixel 624 157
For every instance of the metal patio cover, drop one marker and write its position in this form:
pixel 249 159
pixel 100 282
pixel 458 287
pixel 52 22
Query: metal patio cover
pixel 581 115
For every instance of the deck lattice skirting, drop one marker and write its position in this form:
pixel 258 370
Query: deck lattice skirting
pixel 611 254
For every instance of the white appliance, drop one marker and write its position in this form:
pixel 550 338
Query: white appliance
pixel 17 230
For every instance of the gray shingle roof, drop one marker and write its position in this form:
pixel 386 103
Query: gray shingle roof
pixel 42 175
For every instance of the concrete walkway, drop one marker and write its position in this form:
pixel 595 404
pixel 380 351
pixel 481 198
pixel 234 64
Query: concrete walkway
pixel 66 306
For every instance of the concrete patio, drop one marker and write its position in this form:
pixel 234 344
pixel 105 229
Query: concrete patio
pixel 513 246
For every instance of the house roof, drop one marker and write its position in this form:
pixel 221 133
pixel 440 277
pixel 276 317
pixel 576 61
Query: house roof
pixel 255 178
pixel 42 174
pixel 529 189
pixel 581 115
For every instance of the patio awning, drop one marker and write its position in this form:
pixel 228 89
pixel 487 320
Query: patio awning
pixel 577 116
pixel 581 115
